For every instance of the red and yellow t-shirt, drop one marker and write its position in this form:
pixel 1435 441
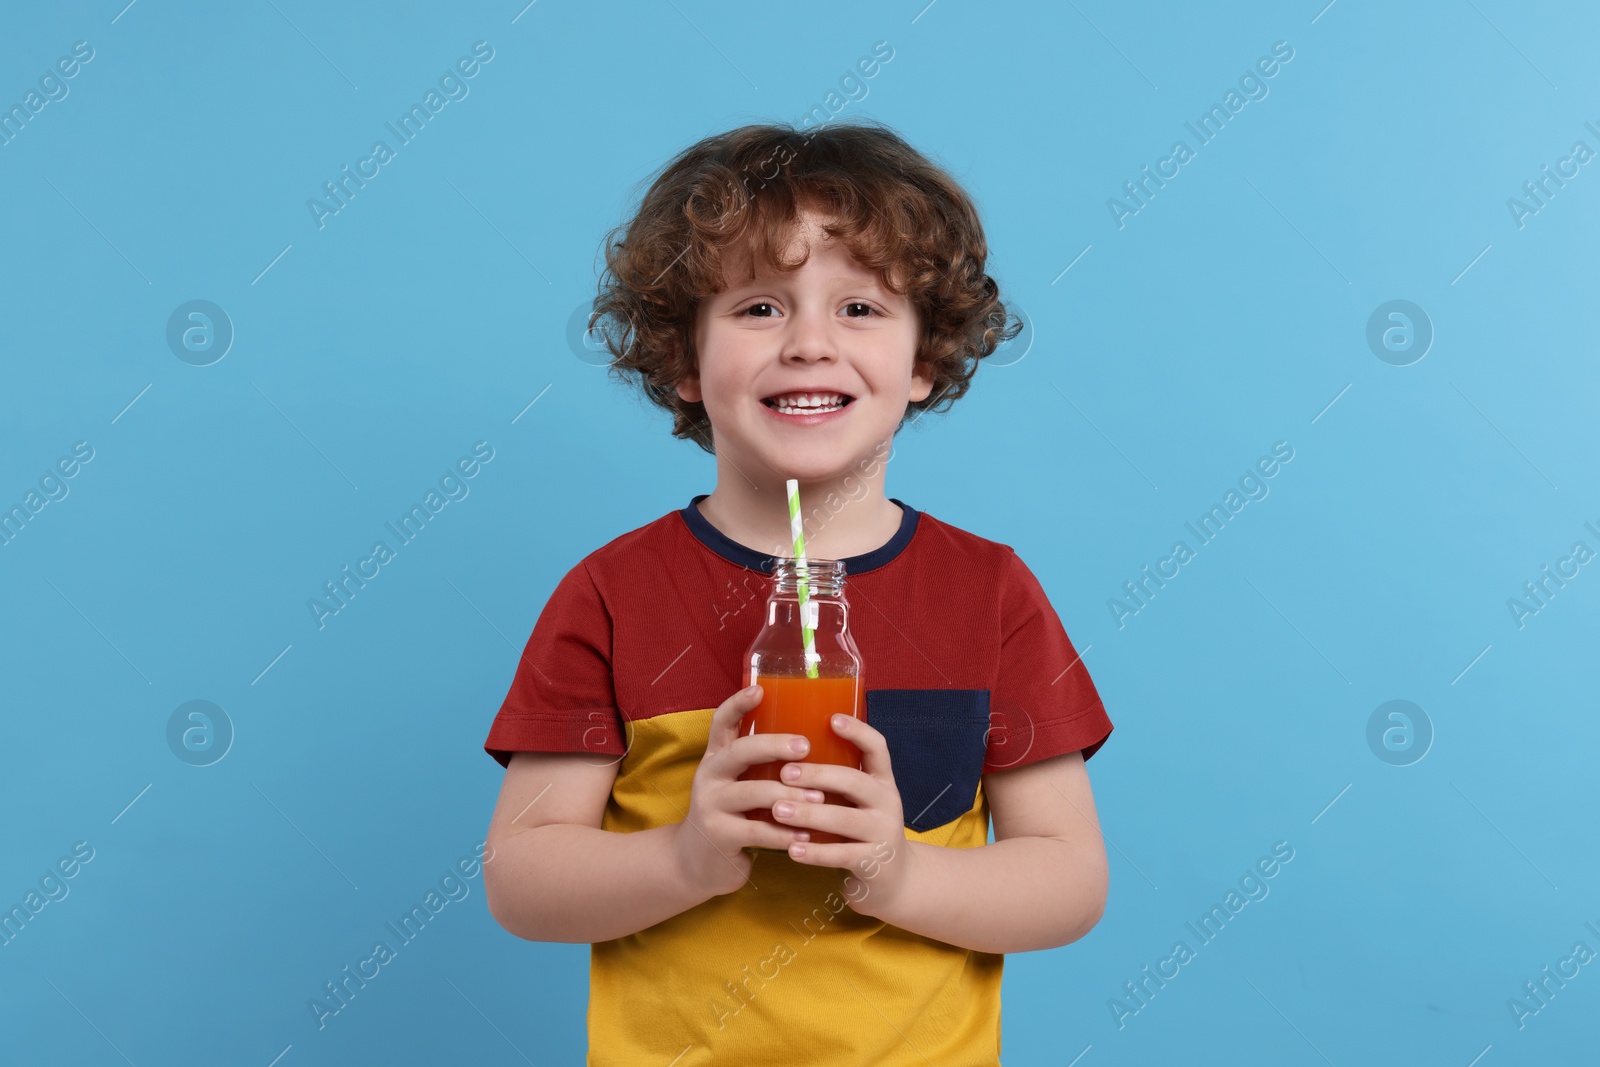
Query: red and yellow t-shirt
pixel 967 671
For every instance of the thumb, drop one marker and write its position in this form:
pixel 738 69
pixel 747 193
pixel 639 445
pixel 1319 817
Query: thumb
pixel 725 720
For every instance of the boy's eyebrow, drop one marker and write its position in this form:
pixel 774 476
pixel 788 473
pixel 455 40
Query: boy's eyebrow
pixel 867 280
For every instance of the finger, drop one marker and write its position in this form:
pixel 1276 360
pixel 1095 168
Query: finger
pixel 768 835
pixel 874 747
pixel 745 752
pixel 844 855
pixel 857 786
pixel 725 720
pixel 761 794
pixel 852 823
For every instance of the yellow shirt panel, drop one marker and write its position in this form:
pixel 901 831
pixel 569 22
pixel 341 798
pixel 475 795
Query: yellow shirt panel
pixel 780 971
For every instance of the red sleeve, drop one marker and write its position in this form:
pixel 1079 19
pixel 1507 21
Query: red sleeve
pixel 561 698
pixel 1043 703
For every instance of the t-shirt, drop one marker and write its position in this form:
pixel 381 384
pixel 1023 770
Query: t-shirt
pixel 966 670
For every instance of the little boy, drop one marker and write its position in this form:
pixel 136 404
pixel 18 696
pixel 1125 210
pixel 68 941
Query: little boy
pixel 793 298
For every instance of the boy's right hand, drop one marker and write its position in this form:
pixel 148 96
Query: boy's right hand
pixel 710 841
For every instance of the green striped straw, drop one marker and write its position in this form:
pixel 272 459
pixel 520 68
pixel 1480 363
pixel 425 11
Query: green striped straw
pixel 802 584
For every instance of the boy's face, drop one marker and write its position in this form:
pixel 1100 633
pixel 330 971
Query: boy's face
pixel 804 373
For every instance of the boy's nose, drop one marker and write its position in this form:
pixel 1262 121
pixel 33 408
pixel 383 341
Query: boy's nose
pixel 808 340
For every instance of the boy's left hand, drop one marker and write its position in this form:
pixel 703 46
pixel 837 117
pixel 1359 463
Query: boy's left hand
pixel 877 854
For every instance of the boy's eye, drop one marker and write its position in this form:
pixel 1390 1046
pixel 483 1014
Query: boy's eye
pixel 764 310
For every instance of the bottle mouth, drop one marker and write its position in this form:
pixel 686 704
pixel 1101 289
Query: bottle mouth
pixel 824 577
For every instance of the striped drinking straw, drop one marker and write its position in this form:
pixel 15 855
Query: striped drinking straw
pixel 802 583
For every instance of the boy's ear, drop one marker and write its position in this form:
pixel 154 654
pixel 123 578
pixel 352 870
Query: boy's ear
pixel 688 386
pixel 922 376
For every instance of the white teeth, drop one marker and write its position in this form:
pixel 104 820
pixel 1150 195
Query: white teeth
pixel 808 403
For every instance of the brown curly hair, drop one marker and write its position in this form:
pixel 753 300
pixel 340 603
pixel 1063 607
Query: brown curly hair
pixel 895 211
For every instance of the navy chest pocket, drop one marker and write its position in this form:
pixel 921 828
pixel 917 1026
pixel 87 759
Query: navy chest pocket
pixel 937 743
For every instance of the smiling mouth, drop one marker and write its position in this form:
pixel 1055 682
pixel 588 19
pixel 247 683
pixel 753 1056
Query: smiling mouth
pixel 807 403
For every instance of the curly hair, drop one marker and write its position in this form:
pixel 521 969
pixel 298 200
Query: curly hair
pixel 895 211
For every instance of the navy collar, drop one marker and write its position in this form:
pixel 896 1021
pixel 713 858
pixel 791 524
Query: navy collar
pixel 734 552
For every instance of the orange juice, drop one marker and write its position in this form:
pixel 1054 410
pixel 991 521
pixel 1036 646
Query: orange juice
pixel 800 705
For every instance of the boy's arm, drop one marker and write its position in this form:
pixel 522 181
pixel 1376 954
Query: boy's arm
pixel 1041 884
pixel 557 876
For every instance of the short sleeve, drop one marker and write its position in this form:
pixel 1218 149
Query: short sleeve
pixel 562 698
pixel 1044 703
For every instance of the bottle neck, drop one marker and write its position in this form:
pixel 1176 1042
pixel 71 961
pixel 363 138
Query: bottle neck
pixel 825 610
pixel 822 578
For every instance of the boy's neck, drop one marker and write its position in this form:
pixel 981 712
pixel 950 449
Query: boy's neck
pixel 849 515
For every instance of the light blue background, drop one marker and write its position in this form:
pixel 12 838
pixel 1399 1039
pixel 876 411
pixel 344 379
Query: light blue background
pixel 1223 317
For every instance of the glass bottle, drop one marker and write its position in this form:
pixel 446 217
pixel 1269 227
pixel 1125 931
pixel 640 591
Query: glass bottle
pixel 792 701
